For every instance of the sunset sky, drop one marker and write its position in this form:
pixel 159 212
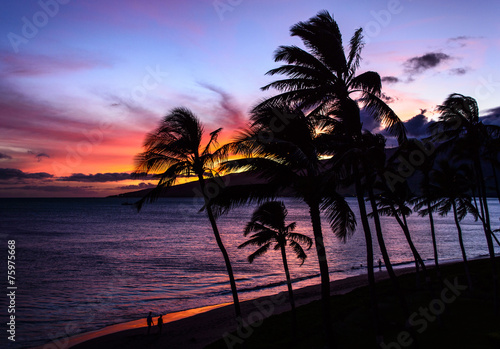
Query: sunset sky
pixel 82 82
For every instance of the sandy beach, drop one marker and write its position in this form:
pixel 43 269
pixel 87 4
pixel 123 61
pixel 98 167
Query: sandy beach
pixel 199 327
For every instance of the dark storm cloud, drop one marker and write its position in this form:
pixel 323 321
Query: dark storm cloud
pixel 39 156
pixel 138 187
pixel 14 173
pixel 492 117
pixel 53 189
pixel 390 79
pixel 419 64
pixel 387 99
pixel 417 125
pixel 96 178
pixel 5 156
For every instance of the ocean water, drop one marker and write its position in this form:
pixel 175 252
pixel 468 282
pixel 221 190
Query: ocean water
pixel 83 264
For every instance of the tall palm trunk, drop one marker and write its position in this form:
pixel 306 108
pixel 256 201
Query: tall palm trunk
pixel 431 223
pixel 369 256
pixel 404 226
pixel 434 241
pixel 222 249
pixel 487 230
pixel 388 265
pixel 290 290
pixel 324 272
pixel 385 254
pixel 462 246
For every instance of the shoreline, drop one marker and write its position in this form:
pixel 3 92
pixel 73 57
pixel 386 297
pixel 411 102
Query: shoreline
pixel 198 327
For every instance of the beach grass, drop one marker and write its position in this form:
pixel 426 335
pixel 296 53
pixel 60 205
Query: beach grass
pixel 466 318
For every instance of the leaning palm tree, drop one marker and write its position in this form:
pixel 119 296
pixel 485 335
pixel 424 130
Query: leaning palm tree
pixel 324 78
pixel 394 204
pixel 174 150
pixel 268 223
pixel 452 188
pixel 422 202
pixel 460 127
pixel 286 153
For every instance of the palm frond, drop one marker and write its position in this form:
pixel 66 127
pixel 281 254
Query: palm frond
pixel 299 251
pixel 341 218
pixel 384 114
pixel 355 47
pixel 261 251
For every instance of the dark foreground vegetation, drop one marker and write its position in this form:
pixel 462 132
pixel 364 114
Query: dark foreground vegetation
pixel 466 319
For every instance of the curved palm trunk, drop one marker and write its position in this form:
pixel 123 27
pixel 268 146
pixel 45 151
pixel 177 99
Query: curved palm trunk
pixel 462 246
pixel 369 257
pixel 487 231
pixel 220 244
pixel 324 272
pixel 434 241
pixel 431 222
pixel 414 251
pixel 385 254
pixel 416 256
pixel 290 290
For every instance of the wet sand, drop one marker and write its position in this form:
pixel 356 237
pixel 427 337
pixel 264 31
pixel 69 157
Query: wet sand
pixel 196 328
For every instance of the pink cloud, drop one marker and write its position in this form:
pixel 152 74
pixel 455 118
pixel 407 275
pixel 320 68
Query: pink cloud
pixel 35 64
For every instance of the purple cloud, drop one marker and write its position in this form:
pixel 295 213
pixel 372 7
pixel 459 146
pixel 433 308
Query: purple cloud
pixel 419 64
pixel 14 173
pixel 96 178
pixel 34 65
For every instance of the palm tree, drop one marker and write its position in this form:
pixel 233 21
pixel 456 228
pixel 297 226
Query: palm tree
pixel 174 150
pixel 323 78
pixel 452 189
pixel 287 154
pixel 459 126
pixel 268 223
pixel 423 202
pixel 394 204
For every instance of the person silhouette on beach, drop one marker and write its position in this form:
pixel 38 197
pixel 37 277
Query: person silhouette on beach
pixel 150 322
pixel 379 264
pixel 160 323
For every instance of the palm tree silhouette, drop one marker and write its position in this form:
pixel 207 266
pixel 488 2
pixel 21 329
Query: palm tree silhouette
pixel 422 202
pixel 452 188
pixel 268 223
pixel 174 150
pixel 323 78
pixel 394 204
pixel 460 127
pixel 284 147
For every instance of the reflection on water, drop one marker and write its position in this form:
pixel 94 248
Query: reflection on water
pixel 95 262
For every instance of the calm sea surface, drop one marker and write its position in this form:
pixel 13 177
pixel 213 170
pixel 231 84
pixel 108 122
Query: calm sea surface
pixel 89 263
